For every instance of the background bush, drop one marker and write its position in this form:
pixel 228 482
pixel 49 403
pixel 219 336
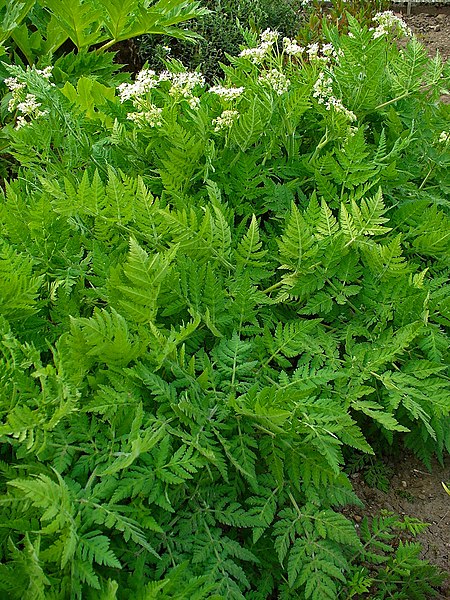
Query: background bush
pixel 222 32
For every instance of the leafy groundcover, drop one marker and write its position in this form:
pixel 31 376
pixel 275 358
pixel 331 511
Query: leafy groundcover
pixel 209 298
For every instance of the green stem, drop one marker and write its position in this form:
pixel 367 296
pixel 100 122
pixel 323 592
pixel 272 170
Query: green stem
pixel 107 45
pixel 431 169
pixel 392 101
pixel 323 142
pixel 273 287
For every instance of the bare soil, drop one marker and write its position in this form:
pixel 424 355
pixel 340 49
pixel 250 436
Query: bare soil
pixel 432 28
pixel 416 492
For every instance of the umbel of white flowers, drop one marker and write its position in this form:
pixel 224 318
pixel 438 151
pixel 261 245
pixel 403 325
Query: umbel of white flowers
pixel 26 104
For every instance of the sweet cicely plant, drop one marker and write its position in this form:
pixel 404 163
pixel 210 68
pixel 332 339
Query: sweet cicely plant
pixel 211 296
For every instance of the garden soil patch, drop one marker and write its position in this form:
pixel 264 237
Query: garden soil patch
pixel 433 30
pixel 416 492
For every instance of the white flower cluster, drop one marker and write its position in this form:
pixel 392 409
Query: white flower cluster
pixel 45 73
pixel 16 88
pixel 165 76
pixel 323 92
pixel 138 92
pixel 150 117
pixel 276 80
pixel 14 84
pixel 147 113
pixel 144 82
pixel 29 106
pixel 389 23
pixel 183 85
pixel 444 137
pixel 25 103
pixel 225 120
pixel 291 47
pixel 336 103
pixel 230 93
pixel 322 89
pixel 256 55
pixel 321 53
pixel 312 50
pixel 328 50
pixel 269 36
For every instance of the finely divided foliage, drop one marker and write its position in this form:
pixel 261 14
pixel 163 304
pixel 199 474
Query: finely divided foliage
pixel 199 322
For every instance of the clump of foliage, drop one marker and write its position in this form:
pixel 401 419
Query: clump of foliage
pixel 207 295
pixel 36 28
pixel 386 559
pixel 375 472
pixel 319 13
pixel 221 33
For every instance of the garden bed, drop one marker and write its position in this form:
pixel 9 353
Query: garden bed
pixel 432 27
pixel 222 307
pixel 415 492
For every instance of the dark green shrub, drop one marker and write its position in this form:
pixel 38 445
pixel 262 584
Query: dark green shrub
pixel 222 32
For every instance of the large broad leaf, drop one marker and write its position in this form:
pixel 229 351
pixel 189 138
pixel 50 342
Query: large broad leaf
pixel 11 15
pixel 128 18
pixel 81 20
pixel 89 22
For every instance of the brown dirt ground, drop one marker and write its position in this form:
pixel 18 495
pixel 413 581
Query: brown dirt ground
pixel 433 29
pixel 416 492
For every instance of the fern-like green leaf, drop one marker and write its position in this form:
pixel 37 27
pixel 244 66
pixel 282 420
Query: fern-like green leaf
pixel 327 224
pixel 136 293
pixel 19 289
pixel 104 337
pixel 249 252
pixel 297 244
pixel 96 547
